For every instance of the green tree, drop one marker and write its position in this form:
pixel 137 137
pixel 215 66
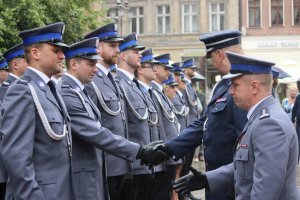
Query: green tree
pixel 18 15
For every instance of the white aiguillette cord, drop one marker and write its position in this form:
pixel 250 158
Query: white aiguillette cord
pixel 102 103
pixel 44 119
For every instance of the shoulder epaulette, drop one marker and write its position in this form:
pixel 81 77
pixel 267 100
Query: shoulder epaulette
pixel 264 113
pixel 99 73
pixel 117 79
pixel 24 80
pixel 65 86
pixel 6 83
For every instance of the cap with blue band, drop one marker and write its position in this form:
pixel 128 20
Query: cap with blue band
pixel 51 33
pixel 14 52
pixel 221 39
pixel 147 56
pixel 106 33
pixel 164 60
pixel 188 63
pixel 85 49
pixel 80 51
pixel 241 65
pixel 48 37
pixel 177 67
pixel 3 64
pixel 170 80
pixel 130 42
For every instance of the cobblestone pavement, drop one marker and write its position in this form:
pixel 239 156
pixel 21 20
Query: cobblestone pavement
pixel 200 166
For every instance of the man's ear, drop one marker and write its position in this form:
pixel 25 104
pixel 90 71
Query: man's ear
pixel 73 64
pixel 123 55
pixel 255 86
pixel 100 47
pixel 35 53
pixel 14 64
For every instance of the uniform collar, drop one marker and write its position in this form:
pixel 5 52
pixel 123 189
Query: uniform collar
pixel 160 87
pixel 255 106
pixel 102 68
pixel 13 75
pixel 129 75
pixel 81 86
pixel 179 93
pixel 55 80
pixel 188 80
pixel 144 85
pixel 43 76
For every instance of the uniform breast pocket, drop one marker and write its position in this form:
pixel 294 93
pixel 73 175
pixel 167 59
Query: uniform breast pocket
pixel 46 180
pixel 111 100
pixel 139 107
pixel 55 120
pixel 85 181
pixel 219 107
pixel 241 164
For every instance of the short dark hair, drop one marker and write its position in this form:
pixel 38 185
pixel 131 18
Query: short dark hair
pixel 28 49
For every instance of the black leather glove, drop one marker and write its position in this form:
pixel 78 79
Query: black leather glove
pixel 150 155
pixel 195 181
pixel 164 148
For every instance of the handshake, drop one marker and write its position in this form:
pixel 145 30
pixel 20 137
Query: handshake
pixel 153 153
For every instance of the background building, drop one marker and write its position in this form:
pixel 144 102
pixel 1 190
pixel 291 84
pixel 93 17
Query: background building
pixel 271 30
pixel 174 26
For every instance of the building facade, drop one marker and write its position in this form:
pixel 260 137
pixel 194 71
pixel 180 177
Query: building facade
pixel 271 30
pixel 174 26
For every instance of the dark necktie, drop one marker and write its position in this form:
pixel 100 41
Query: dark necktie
pixel 85 92
pixel 136 82
pixel 150 92
pixel 109 75
pixel 52 87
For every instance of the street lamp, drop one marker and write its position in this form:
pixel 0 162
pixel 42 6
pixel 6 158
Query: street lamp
pixel 122 10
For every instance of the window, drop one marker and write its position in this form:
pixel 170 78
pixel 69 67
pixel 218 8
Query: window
pixel 296 12
pixel 217 16
pixel 137 20
pixel 163 19
pixel 254 13
pixel 113 14
pixel 277 12
pixel 189 18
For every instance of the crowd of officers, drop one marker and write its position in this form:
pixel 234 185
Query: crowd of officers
pixel 56 124
pixel 122 123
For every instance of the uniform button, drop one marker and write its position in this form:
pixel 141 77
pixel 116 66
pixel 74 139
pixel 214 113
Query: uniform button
pixel 40 181
pixel 82 167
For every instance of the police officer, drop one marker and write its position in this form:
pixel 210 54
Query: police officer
pixel 190 94
pixel 296 113
pixel 268 133
pixel 105 93
pixel 3 69
pixel 3 175
pixel 17 66
pixel 181 108
pixel 137 111
pixel 36 142
pixel 223 121
pixel 169 126
pixel 89 171
pixel 145 74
